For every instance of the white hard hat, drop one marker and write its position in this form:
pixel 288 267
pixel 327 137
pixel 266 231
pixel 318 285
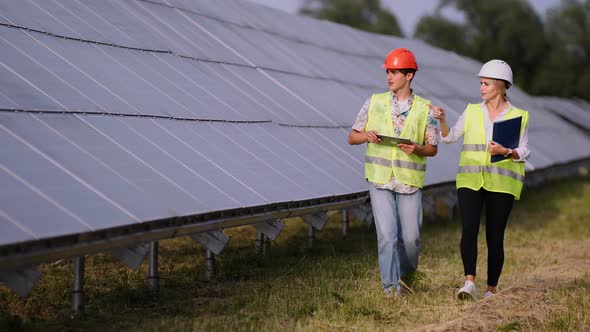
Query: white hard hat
pixel 497 69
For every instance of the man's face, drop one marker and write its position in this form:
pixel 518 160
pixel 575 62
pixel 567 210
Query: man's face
pixel 397 80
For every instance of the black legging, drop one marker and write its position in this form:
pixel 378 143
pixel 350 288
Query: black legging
pixel 498 206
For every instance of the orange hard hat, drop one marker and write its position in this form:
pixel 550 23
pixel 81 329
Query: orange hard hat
pixel 400 58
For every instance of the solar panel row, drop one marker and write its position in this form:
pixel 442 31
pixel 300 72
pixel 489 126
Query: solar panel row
pixel 91 172
pixel 116 113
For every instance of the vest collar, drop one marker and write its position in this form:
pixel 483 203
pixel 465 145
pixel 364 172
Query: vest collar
pixel 500 116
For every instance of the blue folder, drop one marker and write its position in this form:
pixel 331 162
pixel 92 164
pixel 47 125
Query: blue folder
pixel 507 133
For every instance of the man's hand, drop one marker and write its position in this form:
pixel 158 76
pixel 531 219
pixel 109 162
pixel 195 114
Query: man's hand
pixel 361 137
pixel 409 148
pixel 426 150
pixel 372 137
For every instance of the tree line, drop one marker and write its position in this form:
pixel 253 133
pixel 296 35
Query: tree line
pixel 549 55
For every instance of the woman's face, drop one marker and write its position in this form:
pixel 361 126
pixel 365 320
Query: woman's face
pixel 488 88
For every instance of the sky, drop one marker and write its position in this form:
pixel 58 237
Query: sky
pixel 407 12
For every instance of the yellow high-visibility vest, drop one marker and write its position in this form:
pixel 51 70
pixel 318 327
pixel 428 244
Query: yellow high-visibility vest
pixel 384 161
pixel 475 168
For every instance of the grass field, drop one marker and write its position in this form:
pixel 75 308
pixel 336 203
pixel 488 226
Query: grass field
pixel 335 286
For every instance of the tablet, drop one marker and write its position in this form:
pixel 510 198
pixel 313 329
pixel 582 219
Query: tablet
pixel 393 140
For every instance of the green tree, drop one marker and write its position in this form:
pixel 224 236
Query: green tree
pixel 500 29
pixel 564 70
pixel 440 32
pixel 365 15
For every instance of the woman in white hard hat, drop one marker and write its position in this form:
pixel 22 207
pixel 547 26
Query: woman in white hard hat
pixel 481 182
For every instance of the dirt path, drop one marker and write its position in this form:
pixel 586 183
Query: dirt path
pixel 526 300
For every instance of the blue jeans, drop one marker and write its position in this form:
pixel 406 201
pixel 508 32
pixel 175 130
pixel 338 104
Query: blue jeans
pixel 398 220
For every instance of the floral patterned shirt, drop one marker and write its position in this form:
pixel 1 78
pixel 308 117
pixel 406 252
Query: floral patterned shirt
pixel 399 111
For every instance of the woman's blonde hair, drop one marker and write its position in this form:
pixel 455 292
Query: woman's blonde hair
pixel 502 86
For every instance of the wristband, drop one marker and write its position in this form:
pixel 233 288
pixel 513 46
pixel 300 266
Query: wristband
pixel 509 153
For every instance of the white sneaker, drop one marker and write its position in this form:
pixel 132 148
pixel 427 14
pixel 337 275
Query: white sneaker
pixel 468 291
pixel 392 293
pixel 487 295
pixel 389 293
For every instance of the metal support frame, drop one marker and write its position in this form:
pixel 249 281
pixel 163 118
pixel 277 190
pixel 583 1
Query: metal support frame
pixel 428 206
pixel 33 253
pixel 310 236
pixel 318 220
pixel 363 212
pixel 260 243
pixel 22 281
pixel 132 256
pixel 153 277
pixel 214 241
pixel 315 221
pixel 344 222
pixel 210 268
pixel 78 289
pixel 265 233
pixel 445 204
pixel 271 229
pixel 266 246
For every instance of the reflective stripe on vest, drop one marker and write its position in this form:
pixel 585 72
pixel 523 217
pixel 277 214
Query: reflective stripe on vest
pixel 398 163
pixel 492 170
pixel 474 147
pixel 475 168
pixel 382 161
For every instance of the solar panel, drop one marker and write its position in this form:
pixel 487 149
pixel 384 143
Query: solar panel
pixel 574 111
pixel 26 14
pixel 161 113
pixel 284 105
pixel 253 91
pixel 7 102
pixel 127 29
pixel 228 11
pixel 12 230
pixel 189 40
pixel 86 207
pixel 75 20
pixel 25 59
pixel 103 164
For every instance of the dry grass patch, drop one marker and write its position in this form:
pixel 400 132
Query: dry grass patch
pixel 528 301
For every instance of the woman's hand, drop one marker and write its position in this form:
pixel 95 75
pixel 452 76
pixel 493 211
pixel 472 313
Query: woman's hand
pixel 497 148
pixel 438 113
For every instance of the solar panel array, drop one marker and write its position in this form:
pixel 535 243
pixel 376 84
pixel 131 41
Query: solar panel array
pixel 574 111
pixel 123 112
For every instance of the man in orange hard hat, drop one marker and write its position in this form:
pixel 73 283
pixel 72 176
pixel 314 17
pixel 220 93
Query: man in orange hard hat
pixel 394 168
